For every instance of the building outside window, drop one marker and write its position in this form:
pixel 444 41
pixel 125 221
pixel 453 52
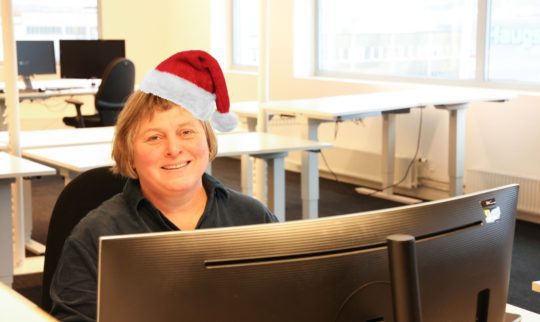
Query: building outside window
pixel 54 19
pixel 245 33
pixel 481 42
pixel 484 40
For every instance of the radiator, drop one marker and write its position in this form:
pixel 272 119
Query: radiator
pixel 529 188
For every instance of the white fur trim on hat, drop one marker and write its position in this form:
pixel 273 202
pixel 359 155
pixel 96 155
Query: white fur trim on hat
pixel 179 91
pixel 224 122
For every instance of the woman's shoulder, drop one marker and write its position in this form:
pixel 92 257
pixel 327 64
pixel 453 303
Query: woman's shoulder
pixel 104 219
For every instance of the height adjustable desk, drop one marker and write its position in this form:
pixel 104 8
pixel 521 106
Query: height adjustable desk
pixel 269 147
pixel 46 89
pixel 386 104
pixel 12 167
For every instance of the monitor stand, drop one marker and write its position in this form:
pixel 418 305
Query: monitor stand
pixel 27 84
pixel 404 278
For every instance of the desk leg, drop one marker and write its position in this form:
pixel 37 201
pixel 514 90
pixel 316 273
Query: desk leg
pixel 3 116
pixel 247 162
pixel 388 152
pixel 310 173
pixel 456 147
pixel 456 155
pixel 261 171
pixel 70 175
pixel 246 170
pixel 276 184
pixel 6 235
pixel 31 245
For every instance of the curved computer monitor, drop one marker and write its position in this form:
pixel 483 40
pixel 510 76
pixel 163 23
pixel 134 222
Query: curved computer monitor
pixel 327 269
pixel 35 57
pixel 88 58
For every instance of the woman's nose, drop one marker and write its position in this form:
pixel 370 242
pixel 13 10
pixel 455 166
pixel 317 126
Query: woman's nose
pixel 174 146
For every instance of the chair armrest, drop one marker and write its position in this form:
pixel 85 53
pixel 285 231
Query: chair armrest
pixel 536 286
pixel 78 105
pixel 74 101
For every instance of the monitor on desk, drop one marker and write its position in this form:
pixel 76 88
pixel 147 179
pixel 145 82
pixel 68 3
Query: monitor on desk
pixel 88 58
pixel 326 269
pixel 35 57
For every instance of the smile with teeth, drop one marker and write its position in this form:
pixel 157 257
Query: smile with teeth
pixel 175 166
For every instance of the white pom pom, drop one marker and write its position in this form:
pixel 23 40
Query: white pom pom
pixel 224 122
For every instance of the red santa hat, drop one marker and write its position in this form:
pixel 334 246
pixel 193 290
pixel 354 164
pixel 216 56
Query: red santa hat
pixel 193 80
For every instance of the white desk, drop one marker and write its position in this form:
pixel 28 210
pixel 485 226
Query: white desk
pixel 79 87
pixel 16 308
pixel 72 160
pixel 388 104
pixel 51 138
pixel 526 316
pixel 60 137
pixel 11 168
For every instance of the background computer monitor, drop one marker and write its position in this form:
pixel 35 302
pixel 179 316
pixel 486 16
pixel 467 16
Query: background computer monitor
pixel 327 269
pixel 88 58
pixel 35 57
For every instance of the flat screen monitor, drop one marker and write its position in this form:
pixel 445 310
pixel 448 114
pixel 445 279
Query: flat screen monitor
pixel 325 269
pixel 88 58
pixel 35 57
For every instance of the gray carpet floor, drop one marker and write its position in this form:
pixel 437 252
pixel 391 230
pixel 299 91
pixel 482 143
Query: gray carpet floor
pixel 335 199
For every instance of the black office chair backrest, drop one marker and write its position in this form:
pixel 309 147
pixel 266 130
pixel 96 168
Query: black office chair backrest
pixel 117 83
pixel 84 193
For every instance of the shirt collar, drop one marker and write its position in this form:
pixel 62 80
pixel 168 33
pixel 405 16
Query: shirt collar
pixel 133 194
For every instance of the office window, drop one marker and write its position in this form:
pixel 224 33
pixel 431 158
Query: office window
pixel 514 41
pixel 418 38
pixel 54 19
pixel 245 33
pixel 456 40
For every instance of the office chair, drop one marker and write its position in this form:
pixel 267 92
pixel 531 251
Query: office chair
pixel 117 84
pixel 84 193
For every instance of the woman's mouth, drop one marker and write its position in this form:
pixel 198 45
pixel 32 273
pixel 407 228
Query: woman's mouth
pixel 175 166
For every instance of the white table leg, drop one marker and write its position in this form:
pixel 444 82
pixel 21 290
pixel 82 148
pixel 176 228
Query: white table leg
pixel 276 184
pixel 70 175
pixel 246 171
pixel 3 116
pixel 310 173
pixel 456 147
pixel 246 161
pixel 6 235
pixel 388 152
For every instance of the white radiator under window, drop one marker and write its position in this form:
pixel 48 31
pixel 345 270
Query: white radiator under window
pixel 529 188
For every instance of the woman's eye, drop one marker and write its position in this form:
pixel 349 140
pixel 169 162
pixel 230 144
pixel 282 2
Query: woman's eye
pixel 152 138
pixel 187 132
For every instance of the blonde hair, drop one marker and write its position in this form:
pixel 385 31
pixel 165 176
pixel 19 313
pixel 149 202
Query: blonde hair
pixel 141 106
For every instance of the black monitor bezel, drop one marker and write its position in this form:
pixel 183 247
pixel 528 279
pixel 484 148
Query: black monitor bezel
pixel 88 58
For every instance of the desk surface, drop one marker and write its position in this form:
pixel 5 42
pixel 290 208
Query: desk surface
pixel 16 308
pixel 60 137
pixel 371 104
pixel 526 316
pixel 45 88
pixel 11 167
pixel 80 158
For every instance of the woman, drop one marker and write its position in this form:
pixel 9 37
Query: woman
pixel 163 144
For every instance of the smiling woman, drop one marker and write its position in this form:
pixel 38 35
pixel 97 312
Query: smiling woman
pixel 163 144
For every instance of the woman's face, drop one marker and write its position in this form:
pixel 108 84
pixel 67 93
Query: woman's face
pixel 170 153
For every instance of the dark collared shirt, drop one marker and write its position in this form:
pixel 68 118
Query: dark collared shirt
pixel 73 288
